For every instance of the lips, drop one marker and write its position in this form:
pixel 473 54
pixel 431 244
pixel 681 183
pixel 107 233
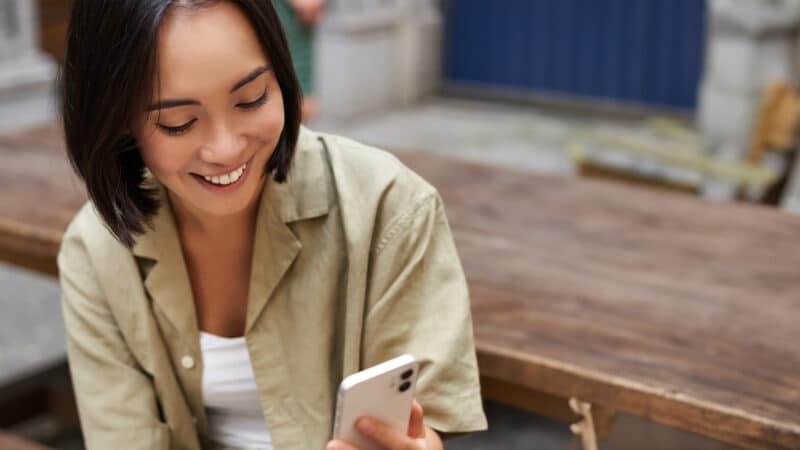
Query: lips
pixel 224 183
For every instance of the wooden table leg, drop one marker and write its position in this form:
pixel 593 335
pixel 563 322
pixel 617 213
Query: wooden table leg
pixel 542 403
pixel 584 428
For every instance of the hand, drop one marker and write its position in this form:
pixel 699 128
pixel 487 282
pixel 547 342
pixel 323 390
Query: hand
pixel 419 436
pixel 308 11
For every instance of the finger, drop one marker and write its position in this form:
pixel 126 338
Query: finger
pixel 416 429
pixel 339 445
pixel 385 435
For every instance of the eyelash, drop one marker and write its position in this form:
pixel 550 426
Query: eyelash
pixel 249 106
pixel 175 131
pixel 254 104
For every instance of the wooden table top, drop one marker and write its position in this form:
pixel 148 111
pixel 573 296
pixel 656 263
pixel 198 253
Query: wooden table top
pixel 657 304
pixel 660 305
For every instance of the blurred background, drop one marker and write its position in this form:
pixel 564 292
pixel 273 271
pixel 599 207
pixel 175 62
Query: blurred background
pixel 690 96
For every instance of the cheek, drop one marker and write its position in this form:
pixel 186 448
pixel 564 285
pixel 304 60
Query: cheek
pixel 268 122
pixel 162 155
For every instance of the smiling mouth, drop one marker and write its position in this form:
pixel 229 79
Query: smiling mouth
pixel 228 178
pixel 226 182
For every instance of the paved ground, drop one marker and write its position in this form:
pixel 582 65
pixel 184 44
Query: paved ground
pixel 519 137
pixel 30 309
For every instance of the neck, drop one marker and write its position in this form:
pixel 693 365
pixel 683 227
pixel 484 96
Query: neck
pixel 192 222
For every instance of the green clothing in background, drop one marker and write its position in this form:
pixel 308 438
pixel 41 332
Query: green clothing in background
pixel 300 39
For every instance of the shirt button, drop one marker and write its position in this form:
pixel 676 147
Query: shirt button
pixel 187 362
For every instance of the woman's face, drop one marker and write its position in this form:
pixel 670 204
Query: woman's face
pixel 217 114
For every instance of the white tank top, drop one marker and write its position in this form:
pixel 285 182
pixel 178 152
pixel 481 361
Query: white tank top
pixel 230 395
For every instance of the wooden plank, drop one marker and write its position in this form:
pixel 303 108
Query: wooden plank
pixel 39 194
pixel 590 169
pixel 11 442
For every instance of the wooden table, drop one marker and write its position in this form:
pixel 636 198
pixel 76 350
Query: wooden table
pixel 38 197
pixel 660 305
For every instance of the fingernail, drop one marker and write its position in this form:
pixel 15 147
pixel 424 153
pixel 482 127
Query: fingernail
pixel 334 446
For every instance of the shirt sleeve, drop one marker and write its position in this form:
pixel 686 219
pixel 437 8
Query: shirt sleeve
pixel 418 303
pixel 116 399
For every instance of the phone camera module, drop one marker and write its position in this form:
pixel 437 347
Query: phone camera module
pixel 407 374
pixel 404 387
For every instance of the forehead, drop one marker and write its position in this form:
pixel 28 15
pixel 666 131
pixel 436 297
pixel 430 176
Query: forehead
pixel 206 49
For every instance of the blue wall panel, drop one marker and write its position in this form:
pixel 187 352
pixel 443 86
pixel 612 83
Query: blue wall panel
pixel 631 51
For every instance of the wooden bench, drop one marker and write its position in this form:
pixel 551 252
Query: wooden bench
pixel 655 304
pixel 11 442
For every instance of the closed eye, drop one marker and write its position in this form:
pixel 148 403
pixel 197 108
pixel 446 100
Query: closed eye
pixel 254 104
pixel 180 129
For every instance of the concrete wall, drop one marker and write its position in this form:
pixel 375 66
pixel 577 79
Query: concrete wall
pixel 750 43
pixel 26 75
pixel 373 55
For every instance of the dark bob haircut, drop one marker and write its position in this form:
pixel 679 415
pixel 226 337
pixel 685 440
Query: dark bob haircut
pixel 107 80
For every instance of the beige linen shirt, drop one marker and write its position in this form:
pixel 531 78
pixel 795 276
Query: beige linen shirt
pixel 353 264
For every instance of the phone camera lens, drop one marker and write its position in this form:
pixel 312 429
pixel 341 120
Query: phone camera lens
pixel 404 387
pixel 407 374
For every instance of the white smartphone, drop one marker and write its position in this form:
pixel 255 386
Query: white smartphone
pixel 384 391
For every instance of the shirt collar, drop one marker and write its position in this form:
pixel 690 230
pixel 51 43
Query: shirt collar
pixel 306 194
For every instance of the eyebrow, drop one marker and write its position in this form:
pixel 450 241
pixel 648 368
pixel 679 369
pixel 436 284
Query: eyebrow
pixel 164 104
pixel 250 77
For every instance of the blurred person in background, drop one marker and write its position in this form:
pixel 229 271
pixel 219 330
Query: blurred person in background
pixel 232 266
pixel 300 19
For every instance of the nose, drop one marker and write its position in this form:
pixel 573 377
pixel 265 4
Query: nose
pixel 225 146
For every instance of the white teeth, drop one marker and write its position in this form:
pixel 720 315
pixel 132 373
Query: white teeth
pixel 228 178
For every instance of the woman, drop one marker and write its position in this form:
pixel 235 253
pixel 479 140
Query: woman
pixel 231 267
